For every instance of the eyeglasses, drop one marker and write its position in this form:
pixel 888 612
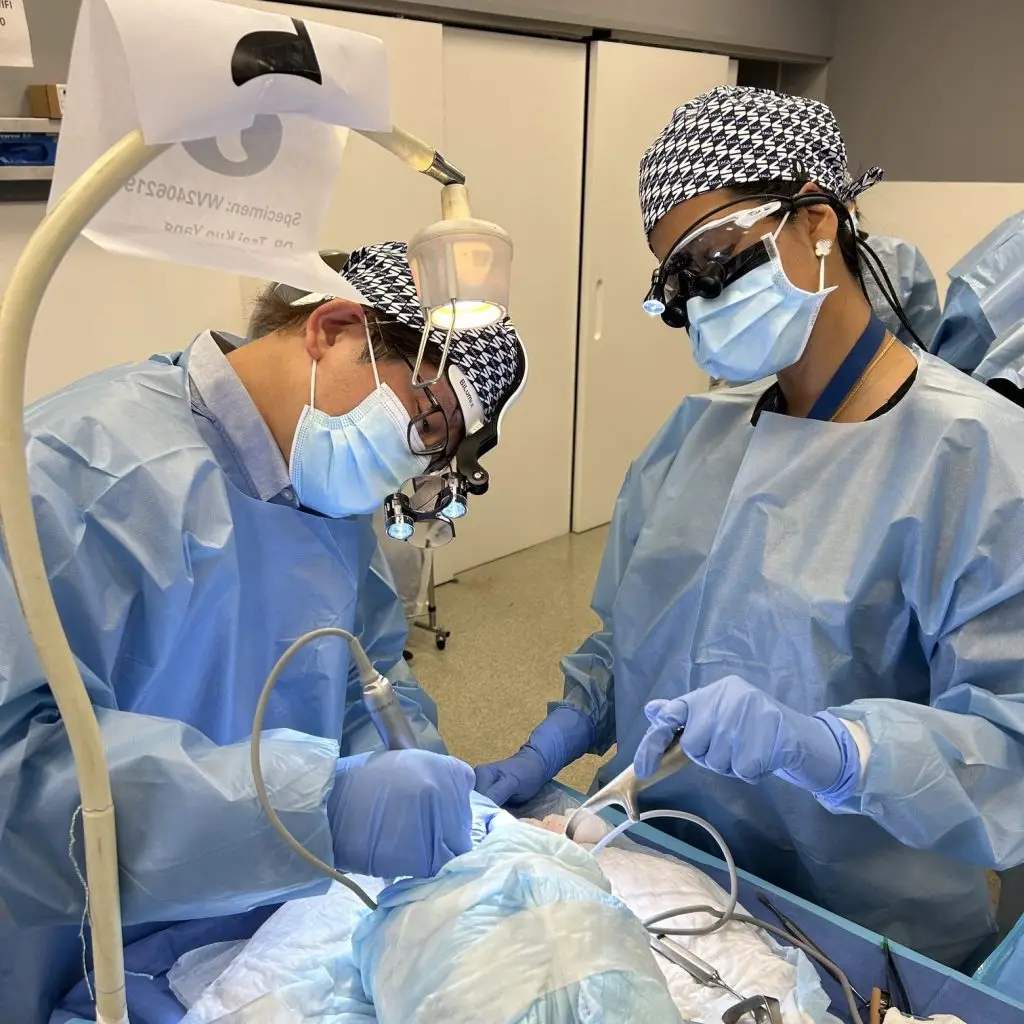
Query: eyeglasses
pixel 430 431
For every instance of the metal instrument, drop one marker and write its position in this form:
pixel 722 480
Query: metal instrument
pixel 800 935
pixel 700 970
pixel 624 790
pixel 387 714
pixel 763 1010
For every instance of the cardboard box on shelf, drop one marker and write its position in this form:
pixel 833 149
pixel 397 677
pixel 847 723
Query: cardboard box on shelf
pixel 46 100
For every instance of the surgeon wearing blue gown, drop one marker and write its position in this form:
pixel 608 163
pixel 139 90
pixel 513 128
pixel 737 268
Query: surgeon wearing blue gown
pixel 820 581
pixel 198 512
pixel 980 327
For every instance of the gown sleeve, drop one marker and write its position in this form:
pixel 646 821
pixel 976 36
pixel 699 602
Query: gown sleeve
pixel 589 671
pixel 948 775
pixel 192 839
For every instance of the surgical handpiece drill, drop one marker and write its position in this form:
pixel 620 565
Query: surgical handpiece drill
pixel 385 711
pixel 379 696
pixel 382 705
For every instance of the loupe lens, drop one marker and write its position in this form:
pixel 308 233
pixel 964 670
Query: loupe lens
pixel 401 529
pixel 455 509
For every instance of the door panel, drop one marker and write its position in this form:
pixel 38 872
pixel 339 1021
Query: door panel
pixel 632 370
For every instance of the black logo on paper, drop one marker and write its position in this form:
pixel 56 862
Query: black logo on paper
pixel 276 53
pixel 258 54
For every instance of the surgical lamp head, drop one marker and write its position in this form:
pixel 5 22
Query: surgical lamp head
pixel 461 265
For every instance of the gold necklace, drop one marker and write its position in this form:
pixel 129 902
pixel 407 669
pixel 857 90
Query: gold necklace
pixel 879 355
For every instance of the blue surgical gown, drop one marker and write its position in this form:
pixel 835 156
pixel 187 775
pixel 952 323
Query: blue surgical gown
pixel 1005 356
pixel 178 591
pixel 985 299
pixel 875 569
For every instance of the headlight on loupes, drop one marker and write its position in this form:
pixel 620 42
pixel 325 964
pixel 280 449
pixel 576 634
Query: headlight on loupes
pixel 424 511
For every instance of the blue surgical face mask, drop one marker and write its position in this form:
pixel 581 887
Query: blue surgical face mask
pixel 760 324
pixel 347 465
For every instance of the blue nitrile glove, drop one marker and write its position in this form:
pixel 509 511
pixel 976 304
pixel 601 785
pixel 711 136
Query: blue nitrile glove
pixel 739 731
pixel 399 812
pixel 563 736
pixel 487 816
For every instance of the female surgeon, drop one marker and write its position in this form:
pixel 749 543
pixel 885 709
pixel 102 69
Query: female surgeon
pixel 198 512
pixel 822 582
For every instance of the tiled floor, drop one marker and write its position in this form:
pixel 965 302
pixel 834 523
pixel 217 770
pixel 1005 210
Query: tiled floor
pixel 510 621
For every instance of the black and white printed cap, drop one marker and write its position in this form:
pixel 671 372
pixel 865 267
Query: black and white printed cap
pixel 734 135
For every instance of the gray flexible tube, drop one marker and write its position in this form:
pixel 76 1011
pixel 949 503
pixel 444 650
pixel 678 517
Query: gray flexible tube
pixel 257 771
pixel 724 916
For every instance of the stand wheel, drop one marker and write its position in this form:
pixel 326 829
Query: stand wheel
pixel 441 640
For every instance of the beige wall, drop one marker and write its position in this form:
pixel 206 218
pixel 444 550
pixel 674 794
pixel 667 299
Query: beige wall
pixel 943 218
pixel 524 163
pixel 632 370
pixel 102 309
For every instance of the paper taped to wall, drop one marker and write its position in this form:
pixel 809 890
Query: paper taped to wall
pixel 15 44
pixel 253 101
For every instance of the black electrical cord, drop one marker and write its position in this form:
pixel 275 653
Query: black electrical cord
pixel 877 269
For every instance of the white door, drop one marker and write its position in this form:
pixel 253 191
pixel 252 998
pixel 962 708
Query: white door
pixel 514 112
pixel 633 371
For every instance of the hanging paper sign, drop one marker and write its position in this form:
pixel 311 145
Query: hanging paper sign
pixel 251 102
pixel 15 44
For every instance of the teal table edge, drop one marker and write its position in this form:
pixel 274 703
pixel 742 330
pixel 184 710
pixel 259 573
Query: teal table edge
pixel 995 1006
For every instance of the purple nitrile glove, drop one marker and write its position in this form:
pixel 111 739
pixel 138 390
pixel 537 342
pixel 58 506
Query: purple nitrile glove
pixel 399 812
pixel 560 739
pixel 737 730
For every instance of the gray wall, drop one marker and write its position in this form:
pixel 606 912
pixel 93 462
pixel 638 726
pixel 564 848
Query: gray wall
pixel 800 29
pixel 51 24
pixel 931 89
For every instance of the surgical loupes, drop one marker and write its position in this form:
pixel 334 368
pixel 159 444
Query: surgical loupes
pixel 624 790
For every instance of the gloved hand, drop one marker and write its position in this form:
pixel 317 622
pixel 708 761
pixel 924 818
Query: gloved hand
pixel 487 816
pixel 563 736
pixel 399 812
pixel 739 731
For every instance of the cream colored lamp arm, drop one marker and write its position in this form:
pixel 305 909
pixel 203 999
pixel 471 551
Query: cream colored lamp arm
pixel 32 273
pixel 418 155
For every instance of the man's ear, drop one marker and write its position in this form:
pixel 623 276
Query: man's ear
pixel 326 323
